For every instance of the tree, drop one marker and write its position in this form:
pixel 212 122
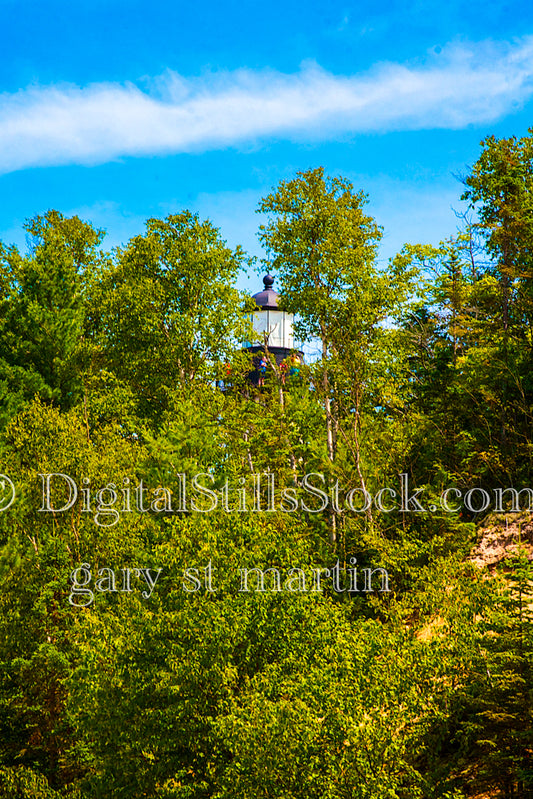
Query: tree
pixel 500 190
pixel 43 311
pixel 491 713
pixel 324 248
pixel 167 312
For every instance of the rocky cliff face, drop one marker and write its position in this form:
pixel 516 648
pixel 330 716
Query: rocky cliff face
pixel 502 535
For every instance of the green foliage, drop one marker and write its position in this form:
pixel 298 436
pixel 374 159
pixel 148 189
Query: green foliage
pixel 166 312
pixel 324 250
pixel 124 371
pixel 43 312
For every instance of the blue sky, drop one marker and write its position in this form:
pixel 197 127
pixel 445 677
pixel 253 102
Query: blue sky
pixel 121 110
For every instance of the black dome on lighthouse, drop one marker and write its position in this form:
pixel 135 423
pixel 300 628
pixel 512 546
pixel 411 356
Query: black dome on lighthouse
pixel 268 298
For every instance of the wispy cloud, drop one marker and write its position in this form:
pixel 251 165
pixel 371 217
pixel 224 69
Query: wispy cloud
pixel 65 124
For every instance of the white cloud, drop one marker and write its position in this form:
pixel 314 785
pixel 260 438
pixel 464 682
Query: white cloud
pixel 66 124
